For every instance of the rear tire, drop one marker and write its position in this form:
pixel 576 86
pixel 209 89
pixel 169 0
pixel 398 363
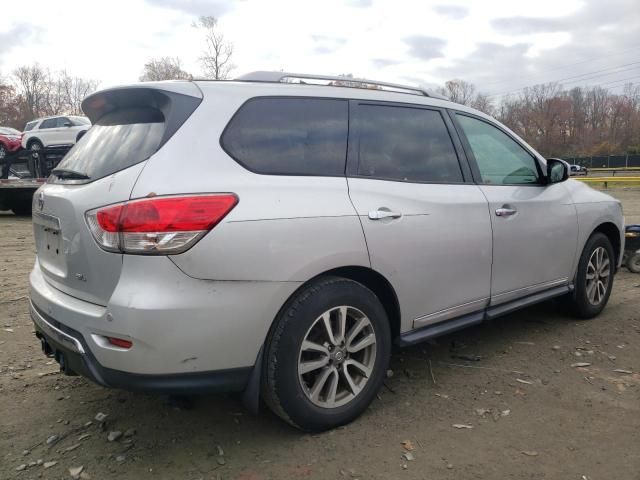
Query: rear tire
pixel 594 279
pixel 353 355
pixel 633 262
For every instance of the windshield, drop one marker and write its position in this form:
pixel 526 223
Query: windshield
pixel 117 141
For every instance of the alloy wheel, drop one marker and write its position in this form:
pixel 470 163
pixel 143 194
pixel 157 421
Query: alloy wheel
pixel 337 357
pixel 598 275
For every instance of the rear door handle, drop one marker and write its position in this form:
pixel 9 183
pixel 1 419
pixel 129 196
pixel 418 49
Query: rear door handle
pixel 383 212
pixel 505 212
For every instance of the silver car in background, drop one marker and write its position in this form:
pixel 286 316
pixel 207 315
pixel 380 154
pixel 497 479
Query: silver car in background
pixel 276 234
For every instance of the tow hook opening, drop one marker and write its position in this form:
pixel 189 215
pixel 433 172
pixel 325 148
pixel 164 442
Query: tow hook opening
pixel 58 355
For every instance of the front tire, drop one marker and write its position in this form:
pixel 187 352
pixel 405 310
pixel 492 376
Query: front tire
pixel 594 279
pixel 327 354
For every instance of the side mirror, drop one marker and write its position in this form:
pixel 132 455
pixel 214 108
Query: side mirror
pixel 67 124
pixel 557 170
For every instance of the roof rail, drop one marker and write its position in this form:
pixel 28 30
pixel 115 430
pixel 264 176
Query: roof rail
pixel 335 81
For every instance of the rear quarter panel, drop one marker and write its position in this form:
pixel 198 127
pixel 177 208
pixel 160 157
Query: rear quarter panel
pixel 284 228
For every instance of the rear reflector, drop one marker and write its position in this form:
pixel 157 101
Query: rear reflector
pixel 120 342
pixel 158 225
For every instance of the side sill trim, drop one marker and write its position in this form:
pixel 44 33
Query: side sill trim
pixel 442 328
pixel 448 326
pixel 504 308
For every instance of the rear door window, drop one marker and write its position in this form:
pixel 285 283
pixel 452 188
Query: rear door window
pixel 289 136
pixel 406 144
pixel 117 141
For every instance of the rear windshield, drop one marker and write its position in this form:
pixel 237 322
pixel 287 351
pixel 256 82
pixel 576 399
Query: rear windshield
pixel 117 141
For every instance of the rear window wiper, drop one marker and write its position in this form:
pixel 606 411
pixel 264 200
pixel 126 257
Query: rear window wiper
pixel 70 174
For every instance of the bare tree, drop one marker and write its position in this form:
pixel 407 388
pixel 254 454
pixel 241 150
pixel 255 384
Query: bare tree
pixel 459 91
pixel 10 111
pixel 163 68
pixel 216 58
pixel 483 103
pixel 39 93
pixel 31 82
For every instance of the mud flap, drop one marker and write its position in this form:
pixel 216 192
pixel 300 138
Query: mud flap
pixel 251 395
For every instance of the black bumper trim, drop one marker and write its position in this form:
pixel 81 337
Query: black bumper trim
pixel 217 381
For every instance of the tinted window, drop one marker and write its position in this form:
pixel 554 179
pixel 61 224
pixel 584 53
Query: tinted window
pixel 289 136
pixel 117 141
pixel 61 122
pixel 80 121
pixel 501 160
pixel 407 144
pixel 49 123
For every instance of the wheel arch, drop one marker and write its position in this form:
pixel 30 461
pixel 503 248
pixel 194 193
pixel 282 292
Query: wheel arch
pixel 32 140
pixel 611 231
pixel 366 276
pixel 80 134
pixel 379 285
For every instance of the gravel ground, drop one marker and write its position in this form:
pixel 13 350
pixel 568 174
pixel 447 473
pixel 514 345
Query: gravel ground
pixel 521 409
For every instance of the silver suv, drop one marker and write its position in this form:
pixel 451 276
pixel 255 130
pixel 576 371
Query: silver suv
pixel 275 235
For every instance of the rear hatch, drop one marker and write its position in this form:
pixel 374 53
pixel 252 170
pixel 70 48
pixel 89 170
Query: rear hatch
pixel 130 124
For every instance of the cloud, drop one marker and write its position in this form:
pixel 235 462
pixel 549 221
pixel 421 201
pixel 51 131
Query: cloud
pixel 592 15
pixel 528 25
pixel 326 44
pixel 425 47
pixel 455 12
pixel 360 3
pixel 18 35
pixel 490 62
pixel 384 62
pixel 600 38
pixel 217 8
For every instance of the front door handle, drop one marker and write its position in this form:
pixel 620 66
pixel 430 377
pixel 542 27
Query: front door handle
pixel 383 212
pixel 505 212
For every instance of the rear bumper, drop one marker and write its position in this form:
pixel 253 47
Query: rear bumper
pixel 188 335
pixel 72 353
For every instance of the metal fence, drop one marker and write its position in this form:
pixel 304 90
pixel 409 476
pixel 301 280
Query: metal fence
pixel 610 161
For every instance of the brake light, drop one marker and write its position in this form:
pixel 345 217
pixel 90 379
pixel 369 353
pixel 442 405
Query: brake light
pixel 158 225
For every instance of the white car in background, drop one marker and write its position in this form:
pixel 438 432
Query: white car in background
pixel 54 131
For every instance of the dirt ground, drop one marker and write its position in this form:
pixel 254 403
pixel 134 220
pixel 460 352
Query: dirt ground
pixel 522 410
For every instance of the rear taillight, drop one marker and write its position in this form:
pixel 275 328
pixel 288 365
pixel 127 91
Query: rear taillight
pixel 158 225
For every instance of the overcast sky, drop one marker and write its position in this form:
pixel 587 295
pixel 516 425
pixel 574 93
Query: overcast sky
pixel 500 46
